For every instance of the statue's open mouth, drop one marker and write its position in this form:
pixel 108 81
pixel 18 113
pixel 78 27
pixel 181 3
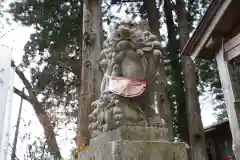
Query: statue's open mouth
pixel 124 43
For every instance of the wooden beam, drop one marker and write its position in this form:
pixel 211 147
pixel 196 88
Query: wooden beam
pixel 211 27
pixel 228 90
pixel 233 53
pixel 232 43
pixel 232 47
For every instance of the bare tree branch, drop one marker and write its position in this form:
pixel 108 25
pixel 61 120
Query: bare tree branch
pixel 43 150
pixel 22 77
pixel 15 157
pixel 10 31
pixel 21 94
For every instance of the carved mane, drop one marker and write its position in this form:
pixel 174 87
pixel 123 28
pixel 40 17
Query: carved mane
pixel 129 35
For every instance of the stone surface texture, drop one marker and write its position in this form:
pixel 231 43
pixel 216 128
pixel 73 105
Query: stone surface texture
pixel 134 143
pixel 135 150
pixel 134 133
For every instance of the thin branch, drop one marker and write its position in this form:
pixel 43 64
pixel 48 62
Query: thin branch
pixel 43 150
pixel 108 5
pixel 21 94
pixel 127 1
pixel 15 157
pixel 22 77
pixel 173 6
pixel 60 64
pixel 10 31
pixel 120 7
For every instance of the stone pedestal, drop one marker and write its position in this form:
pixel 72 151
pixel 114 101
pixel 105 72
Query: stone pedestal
pixel 134 143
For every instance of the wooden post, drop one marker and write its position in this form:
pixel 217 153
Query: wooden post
pixel 91 75
pixel 232 103
pixel 195 127
pixel 13 156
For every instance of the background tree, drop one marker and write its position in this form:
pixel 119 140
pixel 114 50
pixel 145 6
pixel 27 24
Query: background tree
pixel 53 53
pixel 5 22
pixel 221 112
pixel 37 150
pixel 53 57
pixel 195 126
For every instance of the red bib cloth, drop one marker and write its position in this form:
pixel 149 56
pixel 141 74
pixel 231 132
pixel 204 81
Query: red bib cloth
pixel 225 158
pixel 127 87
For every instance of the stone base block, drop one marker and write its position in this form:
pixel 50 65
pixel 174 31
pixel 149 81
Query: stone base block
pixel 132 133
pixel 135 150
pixel 134 143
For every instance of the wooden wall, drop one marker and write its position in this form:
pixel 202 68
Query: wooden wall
pixel 219 141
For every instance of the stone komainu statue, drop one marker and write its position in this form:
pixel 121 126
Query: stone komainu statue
pixel 130 59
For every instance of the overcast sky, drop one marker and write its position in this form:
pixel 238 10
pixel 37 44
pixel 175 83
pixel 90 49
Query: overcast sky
pixel 17 39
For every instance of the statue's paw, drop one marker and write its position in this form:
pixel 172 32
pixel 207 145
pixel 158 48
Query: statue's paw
pixel 93 126
pixel 117 109
pixel 118 115
pixel 91 118
pixel 118 119
pixel 90 126
pixel 95 106
pixel 95 133
pixel 156 121
pixel 104 128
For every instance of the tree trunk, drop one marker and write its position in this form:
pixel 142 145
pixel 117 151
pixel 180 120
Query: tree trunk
pixel 48 129
pixel 40 113
pixel 45 122
pixel 153 17
pixel 197 139
pixel 91 75
pixel 162 88
pixel 173 48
